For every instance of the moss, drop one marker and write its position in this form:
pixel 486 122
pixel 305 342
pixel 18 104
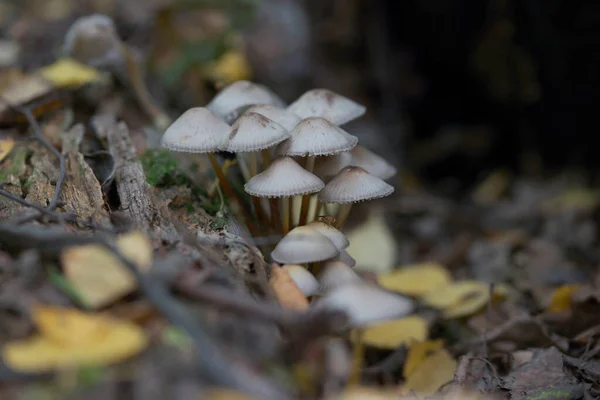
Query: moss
pixel 161 170
pixel 15 164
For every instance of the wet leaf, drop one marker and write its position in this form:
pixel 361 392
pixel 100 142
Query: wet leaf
pixel 391 334
pixel 417 352
pixel 463 298
pixel 98 275
pixel 68 73
pixel 561 298
pixel 6 145
pixel 416 280
pixel 430 374
pixel 69 338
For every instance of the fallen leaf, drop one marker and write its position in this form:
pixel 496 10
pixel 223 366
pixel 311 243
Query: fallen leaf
pixel 463 298
pixel 417 352
pixel 6 146
pixel 230 67
pixel 492 187
pixel 225 394
pixel 70 338
pixel 561 298
pixel 24 90
pixel 391 334
pixel 416 280
pixel 366 393
pixel 68 73
pixel 286 291
pixel 430 374
pixel 372 244
pixel 98 275
pixel 575 199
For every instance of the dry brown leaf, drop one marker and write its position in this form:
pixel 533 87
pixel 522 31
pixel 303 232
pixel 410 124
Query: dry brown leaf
pixel 6 146
pixel 69 338
pixel 98 275
pixel 430 374
pixel 287 292
pixel 391 334
pixel 416 280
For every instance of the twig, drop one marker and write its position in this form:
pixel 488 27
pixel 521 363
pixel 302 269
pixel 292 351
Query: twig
pixel 216 366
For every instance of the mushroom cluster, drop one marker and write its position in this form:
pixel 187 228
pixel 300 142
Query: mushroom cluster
pixel 303 173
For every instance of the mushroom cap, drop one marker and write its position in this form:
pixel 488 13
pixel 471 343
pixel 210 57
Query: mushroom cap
pixel 93 40
pixel 198 130
pixel 283 178
pixel 352 185
pixel 280 115
pixel 254 132
pixel 337 273
pixel 303 245
pixel 316 136
pixel 337 237
pixel 240 94
pixel 327 167
pixel 324 103
pixel 372 163
pixel 305 281
pixel 365 303
pixel 346 258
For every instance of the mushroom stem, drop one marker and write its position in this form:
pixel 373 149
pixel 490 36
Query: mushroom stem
pixel 253 163
pixel 266 158
pixel 358 355
pixel 286 214
pixel 309 166
pixel 342 215
pixel 230 192
pixel 134 73
pixel 275 215
pixel 318 207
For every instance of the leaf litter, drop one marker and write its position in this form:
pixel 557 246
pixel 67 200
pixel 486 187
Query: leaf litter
pixel 506 306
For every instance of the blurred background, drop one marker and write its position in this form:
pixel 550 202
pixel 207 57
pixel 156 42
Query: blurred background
pixel 454 88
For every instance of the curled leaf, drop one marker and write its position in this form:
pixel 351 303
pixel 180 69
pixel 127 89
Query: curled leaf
pixel 391 334
pixel 416 280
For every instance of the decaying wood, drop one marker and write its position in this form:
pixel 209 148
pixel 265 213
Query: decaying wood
pixel 81 193
pixel 135 194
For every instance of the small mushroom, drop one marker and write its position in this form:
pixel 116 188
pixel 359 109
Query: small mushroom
pixel 372 163
pixel 353 185
pixel 334 107
pixel 93 40
pixel 336 273
pixel 236 97
pixel 277 114
pixel 337 237
pixel 284 178
pixel 199 130
pixel 365 303
pixel 305 281
pixel 303 245
pixel 315 137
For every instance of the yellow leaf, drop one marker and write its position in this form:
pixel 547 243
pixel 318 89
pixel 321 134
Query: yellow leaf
pixel 366 393
pixel 230 67
pixel 578 199
pixel 78 339
pixel 416 280
pixel 98 275
pixel 492 187
pixel 561 298
pixel 391 334
pixel 68 73
pixel 225 394
pixel 463 298
pixel 430 374
pixel 417 352
pixel 372 244
pixel 6 146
